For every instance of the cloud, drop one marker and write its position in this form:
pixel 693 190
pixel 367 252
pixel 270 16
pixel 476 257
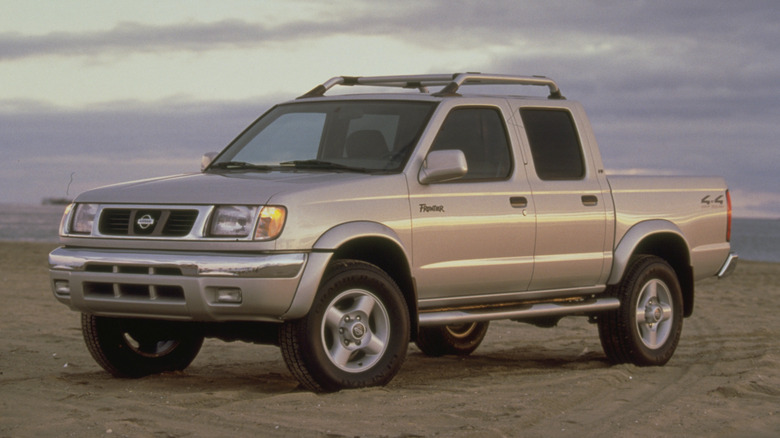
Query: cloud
pixel 124 127
pixel 137 37
pixel 670 87
pixel 101 144
pixel 673 88
pixel 556 27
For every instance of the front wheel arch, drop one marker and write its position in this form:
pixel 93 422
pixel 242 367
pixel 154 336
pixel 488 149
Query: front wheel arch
pixel 387 255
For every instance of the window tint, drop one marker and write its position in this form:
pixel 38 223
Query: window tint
pixel 555 146
pixel 362 134
pixel 290 136
pixel 385 124
pixel 480 134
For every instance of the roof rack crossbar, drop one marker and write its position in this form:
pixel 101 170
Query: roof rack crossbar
pixel 450 82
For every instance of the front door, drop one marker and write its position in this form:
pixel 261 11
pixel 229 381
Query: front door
pixel 473 236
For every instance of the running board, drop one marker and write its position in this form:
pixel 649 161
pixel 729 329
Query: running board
pixel 529 311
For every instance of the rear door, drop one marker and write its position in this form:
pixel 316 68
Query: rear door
pixel 571 208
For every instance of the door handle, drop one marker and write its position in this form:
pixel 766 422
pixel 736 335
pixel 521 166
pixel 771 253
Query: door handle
pixel 590 200
pixel 518 201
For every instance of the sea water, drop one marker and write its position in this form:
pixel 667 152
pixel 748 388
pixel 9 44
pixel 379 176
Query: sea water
pixel 32 223
pixel 756 239
pixel 752 239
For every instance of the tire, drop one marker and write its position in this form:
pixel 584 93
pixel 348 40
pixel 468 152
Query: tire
pixel 645 329
pixel 133 348
pixel 457 339
pixel 355 335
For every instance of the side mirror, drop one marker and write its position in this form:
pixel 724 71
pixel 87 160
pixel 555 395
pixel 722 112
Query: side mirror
pixel 440 166
pixel 206 159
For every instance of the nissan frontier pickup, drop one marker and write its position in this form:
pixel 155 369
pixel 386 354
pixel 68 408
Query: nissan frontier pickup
pixel 341 227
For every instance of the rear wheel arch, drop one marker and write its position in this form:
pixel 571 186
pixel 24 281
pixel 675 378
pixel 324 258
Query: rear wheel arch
pixel 662 239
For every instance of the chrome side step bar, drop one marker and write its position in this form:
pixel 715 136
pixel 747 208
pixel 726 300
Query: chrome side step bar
pixel 528 311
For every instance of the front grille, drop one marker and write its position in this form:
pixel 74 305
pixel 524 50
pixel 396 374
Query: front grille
pixel 180 222
pixel 146 222
pixel 115 222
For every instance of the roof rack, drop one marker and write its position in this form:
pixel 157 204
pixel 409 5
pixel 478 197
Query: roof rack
pixel 450 82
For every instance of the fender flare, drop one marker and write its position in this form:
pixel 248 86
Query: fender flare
pixel 321 254
pixel 342 233
pixel 633 237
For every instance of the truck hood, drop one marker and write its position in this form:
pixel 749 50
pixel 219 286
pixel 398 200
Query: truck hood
pixel 245 188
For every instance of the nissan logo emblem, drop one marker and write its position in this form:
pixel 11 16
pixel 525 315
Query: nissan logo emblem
pixel 145 221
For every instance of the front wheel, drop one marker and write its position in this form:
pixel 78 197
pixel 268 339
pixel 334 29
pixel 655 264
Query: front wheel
pixel 457 339
pixel 645 329
pixel 139 347
pixel 355 335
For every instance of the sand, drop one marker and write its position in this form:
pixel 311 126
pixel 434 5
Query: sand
pixel 724 379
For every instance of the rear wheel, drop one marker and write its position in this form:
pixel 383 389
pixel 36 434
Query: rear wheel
pixel 355 335
pixel 457 339
pixel 138 347
pixel 645 329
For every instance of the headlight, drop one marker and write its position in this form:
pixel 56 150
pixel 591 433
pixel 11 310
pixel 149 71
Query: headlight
pixel 239 221
pixel 270 223
pixel 83 218
pixel 232 221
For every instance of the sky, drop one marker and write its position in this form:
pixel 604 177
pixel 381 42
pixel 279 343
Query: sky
pixel 95 92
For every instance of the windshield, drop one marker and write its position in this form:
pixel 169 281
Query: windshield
pixel 335 135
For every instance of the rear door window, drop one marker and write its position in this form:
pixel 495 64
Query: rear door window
pixel 555 145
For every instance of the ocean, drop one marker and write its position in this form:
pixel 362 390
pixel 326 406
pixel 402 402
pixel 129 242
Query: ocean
pixel 31 223
pixel 752 239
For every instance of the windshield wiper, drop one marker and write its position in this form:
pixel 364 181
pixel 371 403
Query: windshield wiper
pixel 239 165
pixel 321 164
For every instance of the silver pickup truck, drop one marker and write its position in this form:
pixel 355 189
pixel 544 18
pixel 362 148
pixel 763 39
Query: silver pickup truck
pixel 342 227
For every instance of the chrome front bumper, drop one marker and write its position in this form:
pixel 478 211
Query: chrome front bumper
pixel 178 284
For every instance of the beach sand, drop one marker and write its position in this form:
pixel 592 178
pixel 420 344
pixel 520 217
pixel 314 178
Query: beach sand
pixel 724 379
